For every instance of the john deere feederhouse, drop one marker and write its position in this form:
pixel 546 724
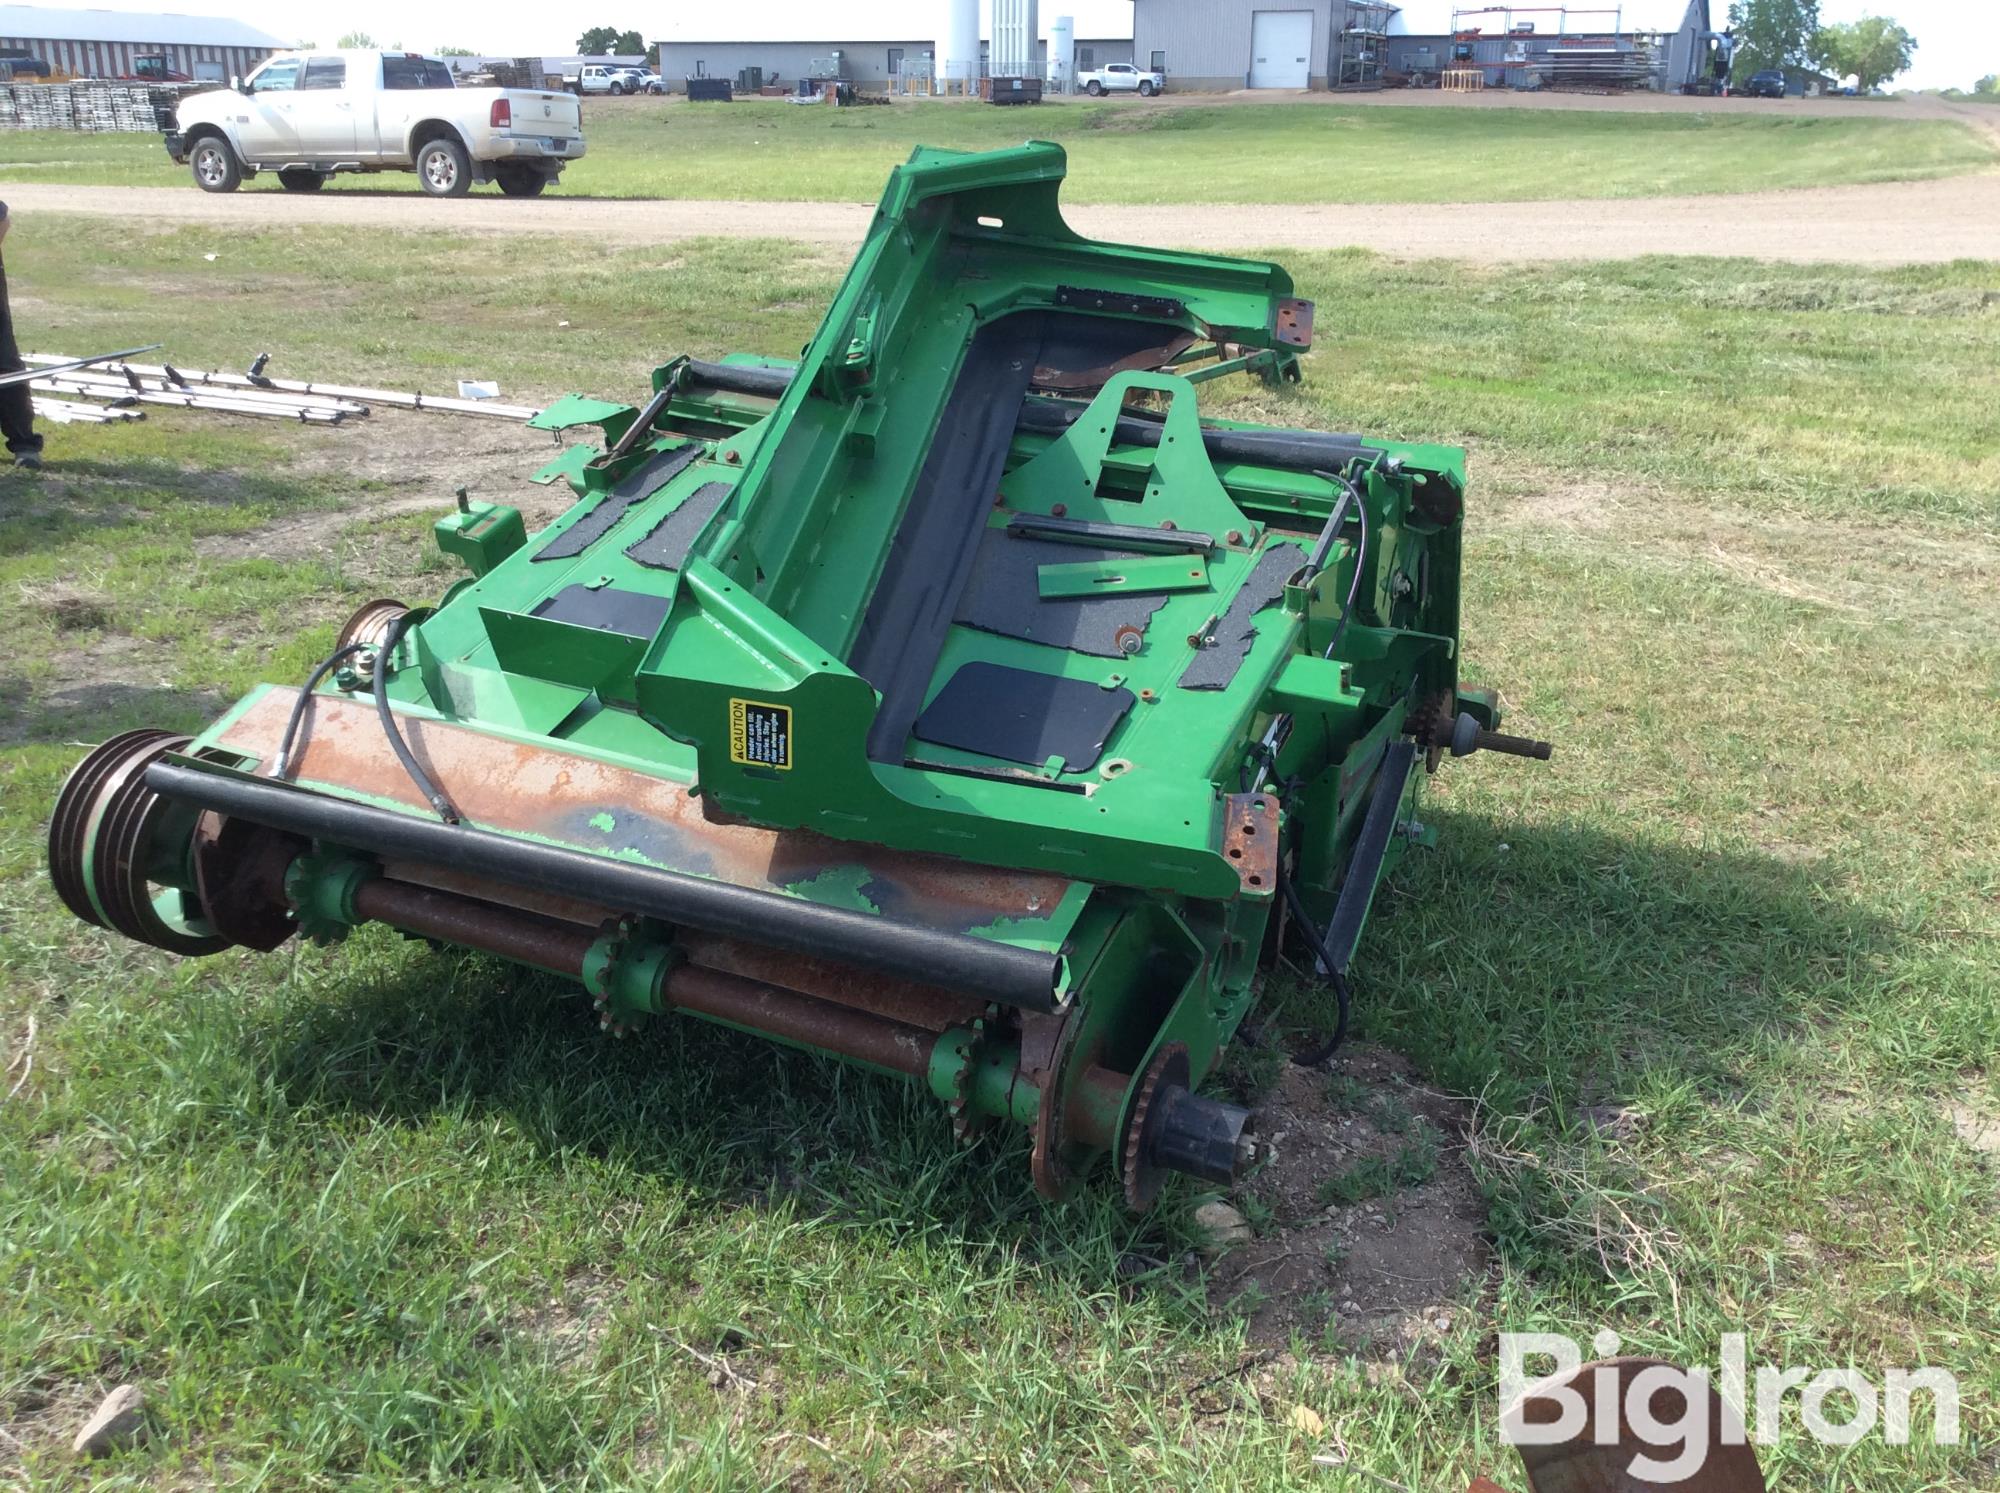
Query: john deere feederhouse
pixel 956 700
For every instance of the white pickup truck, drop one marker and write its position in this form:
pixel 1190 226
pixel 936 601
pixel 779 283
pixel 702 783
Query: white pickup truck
pixel 306 115
pixel 615 79
pixel 1121 77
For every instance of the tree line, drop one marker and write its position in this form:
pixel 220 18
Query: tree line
pixel 1787 34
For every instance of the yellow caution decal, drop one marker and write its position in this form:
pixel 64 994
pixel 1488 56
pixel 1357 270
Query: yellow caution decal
pixel 760 735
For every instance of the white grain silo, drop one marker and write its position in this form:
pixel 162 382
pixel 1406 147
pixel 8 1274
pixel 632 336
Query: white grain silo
pixel 957 54
pixel 1016 30
pixel 1062 55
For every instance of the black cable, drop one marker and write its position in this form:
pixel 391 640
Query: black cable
pixel 422 779
pixel 1314 1056
pixel 327 665
pixel 1354 585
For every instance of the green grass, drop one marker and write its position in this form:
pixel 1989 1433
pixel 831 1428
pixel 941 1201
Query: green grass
pixel 1411 1164
pixel 380 1215
pixel 1276 153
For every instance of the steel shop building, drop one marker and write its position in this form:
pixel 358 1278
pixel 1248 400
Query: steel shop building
pixel 871 45
pixel 109 43
pixel 1220 45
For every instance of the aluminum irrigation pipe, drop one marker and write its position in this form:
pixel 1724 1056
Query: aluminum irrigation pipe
pixel 114 385
pixel 30 373
pixel 401 399
pixel 217 403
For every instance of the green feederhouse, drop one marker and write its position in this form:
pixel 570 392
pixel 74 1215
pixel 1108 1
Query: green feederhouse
pixel 956 699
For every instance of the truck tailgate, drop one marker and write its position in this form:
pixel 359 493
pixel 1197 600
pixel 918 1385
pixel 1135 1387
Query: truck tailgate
pixel 557 115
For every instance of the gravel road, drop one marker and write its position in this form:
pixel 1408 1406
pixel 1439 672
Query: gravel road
pixel 1890 223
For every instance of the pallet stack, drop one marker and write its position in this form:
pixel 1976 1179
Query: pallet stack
pixel 91 107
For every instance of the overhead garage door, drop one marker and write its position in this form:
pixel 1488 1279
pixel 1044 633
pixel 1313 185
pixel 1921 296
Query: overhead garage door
pixel 1280 46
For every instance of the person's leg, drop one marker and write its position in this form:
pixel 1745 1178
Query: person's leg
pixel 17 410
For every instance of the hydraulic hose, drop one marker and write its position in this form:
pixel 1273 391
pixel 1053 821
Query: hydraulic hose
pixel 281 762
pixel 422 779
pixel 1313 1056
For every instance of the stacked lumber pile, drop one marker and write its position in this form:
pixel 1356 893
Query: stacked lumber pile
pixel 95 108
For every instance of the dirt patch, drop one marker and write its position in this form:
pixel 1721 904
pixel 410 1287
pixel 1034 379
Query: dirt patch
pixel 570 1323
pixel 112 677
pixel 403 463
pixel 1977 1128
pixel 1919 222
pixel 1370 1226
pixel 68 606
pixel 42 1419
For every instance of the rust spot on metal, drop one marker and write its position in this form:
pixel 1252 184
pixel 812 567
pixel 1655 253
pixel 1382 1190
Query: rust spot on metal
pixel 927 1006
pixel 544 792
pixel 907 1001
pixel 525 937
pixel 1292 324
pixel 1250 840
pixel 860 1035
pixel 877 1034
pixel 1058 379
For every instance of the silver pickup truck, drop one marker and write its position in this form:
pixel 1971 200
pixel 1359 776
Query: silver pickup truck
pixel 307 115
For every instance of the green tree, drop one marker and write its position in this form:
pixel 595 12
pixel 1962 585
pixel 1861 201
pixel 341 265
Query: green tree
pixel 356 41
pixel 454 52
pixel 1988 86
pixel 609 41
pixel 1874 49
pixel 1773 33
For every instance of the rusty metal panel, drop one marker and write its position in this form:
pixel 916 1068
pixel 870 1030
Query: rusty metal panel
pixel 575 801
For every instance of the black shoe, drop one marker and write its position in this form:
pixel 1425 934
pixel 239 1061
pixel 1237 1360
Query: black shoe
pixel 32 460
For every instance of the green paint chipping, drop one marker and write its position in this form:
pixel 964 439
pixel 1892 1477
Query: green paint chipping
pixel 605 821
pixel 837 886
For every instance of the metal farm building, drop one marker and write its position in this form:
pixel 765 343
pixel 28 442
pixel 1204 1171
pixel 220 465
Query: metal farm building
pixel 108 43
pixel 1295 44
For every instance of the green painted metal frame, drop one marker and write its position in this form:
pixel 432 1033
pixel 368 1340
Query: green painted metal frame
pixel 1161 933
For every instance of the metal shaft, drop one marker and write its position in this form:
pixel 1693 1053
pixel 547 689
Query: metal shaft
pixel 560 947
pixel 1515 746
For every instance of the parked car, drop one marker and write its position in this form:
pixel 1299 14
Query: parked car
pixel 644 80
pixel 1121 77
pixel 604 78
pixel 307 115
pixel 1770 83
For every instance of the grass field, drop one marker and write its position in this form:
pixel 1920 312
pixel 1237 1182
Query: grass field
pixel 1235 152
pixel 382 1216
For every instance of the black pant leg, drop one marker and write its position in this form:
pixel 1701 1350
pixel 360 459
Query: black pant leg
pixel 17 410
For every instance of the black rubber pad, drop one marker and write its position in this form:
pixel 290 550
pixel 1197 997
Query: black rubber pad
pixel 648 479
pixel 666 546
pixel 1214 666
pixel 636 614
pixel 910 613
pixel 1021 716
pixel 1004 596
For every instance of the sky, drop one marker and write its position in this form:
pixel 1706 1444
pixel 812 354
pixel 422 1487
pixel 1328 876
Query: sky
pixel 1958 40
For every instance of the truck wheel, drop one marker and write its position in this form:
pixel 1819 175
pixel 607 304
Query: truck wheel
pixel 1094 88
pixel 214 164
pixel 1146 89
pixel 618 90
pixel 443 169
pixel 300 180
pixel 520 181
